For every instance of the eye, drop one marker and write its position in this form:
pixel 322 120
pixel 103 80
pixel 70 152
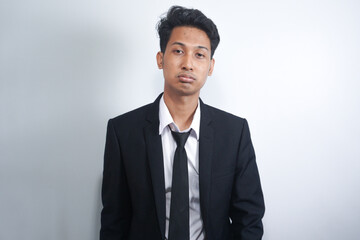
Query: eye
pixel 200 55
pixel 178 51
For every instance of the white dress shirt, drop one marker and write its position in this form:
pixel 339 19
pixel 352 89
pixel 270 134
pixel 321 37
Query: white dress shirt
pixel 192 152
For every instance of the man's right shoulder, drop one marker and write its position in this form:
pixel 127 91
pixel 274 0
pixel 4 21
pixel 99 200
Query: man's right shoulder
pixel 134 117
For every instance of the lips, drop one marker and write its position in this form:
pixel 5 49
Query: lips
pixel 186 78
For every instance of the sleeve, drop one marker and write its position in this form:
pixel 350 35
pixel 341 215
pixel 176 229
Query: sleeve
pixel 247 202
pixel 116 212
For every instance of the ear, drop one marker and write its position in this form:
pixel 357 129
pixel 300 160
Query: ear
pixel 211 69
pixel 159 59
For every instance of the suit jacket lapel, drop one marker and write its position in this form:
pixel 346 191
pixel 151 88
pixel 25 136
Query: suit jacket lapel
pixel 206 142
pixel 156 165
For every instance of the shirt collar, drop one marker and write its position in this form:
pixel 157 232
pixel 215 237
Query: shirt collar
pixel 166 119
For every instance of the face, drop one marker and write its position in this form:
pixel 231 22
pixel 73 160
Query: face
pixel 186 62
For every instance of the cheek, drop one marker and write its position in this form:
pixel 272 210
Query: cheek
pixel 205 70
pixel 168 62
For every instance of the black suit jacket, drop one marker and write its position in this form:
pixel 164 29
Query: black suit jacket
pixel 133 189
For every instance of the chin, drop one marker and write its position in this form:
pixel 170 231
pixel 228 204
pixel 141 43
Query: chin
pixel 182 91
pixel 188 92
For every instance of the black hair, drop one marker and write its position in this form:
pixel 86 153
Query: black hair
pixel 179 16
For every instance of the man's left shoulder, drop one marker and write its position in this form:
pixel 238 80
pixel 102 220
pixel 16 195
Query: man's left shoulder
pixel 223 117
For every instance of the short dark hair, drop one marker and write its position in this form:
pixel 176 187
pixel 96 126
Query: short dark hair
pixel 179 16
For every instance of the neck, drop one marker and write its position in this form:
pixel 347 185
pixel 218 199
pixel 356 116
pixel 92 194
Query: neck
pixel 182 109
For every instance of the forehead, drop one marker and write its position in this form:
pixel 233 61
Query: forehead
pixel 189 36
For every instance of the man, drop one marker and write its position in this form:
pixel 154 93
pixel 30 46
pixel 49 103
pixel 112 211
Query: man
pixel 178 168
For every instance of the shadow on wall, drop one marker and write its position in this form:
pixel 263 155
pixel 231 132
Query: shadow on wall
pixel 59 83
pixel 98 208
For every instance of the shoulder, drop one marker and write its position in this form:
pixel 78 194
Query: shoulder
pixel 132 119
pixel 222 117
pixel 136 114
pixel 226 126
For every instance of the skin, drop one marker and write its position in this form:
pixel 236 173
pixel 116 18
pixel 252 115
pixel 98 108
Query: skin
pixel 186 64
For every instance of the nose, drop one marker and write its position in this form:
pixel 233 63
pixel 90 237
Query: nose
pixel 187 64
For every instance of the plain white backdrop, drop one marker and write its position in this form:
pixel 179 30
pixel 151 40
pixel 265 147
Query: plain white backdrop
pixel 290 67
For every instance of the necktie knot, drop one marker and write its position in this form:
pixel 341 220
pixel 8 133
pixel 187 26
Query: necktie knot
pixel 180 138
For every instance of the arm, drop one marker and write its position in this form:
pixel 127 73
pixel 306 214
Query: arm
pixel 247 202
pixel 116 212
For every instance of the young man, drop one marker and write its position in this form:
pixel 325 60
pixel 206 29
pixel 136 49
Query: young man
pixel 177 168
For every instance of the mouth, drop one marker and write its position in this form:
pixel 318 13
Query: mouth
pixel 186 78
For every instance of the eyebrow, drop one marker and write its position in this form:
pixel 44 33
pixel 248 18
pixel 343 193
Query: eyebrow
pixel 183 45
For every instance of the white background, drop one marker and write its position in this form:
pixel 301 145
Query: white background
pixel 290 67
